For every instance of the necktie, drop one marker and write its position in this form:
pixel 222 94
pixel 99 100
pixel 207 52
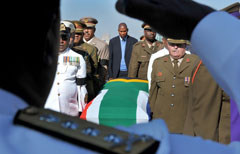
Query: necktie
pixel 175 61
pixel 152 47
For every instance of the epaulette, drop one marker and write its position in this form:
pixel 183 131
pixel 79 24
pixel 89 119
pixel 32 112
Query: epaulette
pixel 159 44
pixel 95 137
pixel 138 43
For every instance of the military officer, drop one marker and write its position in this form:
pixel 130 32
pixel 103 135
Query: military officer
pixel 69 88
pixel 103 50
pixel 89 53
pixel 80 44
pixel 170 80
pixel 208 113
pixel 142 52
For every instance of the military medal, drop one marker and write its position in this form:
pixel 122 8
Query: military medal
pixel 71 60
pixel 187 81
pixel 78 60
pixel 64 60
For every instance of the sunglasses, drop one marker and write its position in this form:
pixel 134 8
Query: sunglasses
pixel 149 30
pixel 64 37
pixel 178 45
pixel 79 33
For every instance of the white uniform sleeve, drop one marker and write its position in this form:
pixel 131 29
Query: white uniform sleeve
pixel 82 91
pixel 216 40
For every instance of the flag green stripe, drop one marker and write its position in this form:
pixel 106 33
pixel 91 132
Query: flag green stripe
pixel 120 111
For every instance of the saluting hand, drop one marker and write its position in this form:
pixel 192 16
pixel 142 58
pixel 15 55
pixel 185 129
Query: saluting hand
pixel 171 18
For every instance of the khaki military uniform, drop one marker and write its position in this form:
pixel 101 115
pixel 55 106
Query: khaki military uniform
pixel 169 91
pixel 91 59
pixel 209 108
pixel 103 57
pixel 139 61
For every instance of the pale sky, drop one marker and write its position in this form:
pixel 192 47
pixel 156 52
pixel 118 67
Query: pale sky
pixel 108 18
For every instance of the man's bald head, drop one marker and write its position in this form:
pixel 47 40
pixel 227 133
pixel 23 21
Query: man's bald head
pixel 122 30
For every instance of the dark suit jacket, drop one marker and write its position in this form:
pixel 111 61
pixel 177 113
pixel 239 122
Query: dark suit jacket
pixel 115 54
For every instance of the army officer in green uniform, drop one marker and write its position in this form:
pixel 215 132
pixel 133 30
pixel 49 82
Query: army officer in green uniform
pixel 142 52
pixel 208 113
pixel 90 56
pixel 170 80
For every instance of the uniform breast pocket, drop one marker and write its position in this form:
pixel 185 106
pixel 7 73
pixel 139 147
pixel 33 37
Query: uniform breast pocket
pixel 72 69
pixel 143 61
pixel 160 81
pixel 62 68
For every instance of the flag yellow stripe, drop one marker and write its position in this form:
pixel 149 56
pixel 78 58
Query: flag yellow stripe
pixel 128 80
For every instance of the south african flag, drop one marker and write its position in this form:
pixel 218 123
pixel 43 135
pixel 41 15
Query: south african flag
pixel 121 102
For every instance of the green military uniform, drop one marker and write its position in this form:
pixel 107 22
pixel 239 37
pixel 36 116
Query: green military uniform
pixel 139 61
pixel 89 52
pixel 169 90
pixel 102 52
pixel 91 58
pixel 209 108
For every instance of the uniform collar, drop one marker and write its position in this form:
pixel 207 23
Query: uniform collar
pixel 65 51
pixel 150 45
pixel 10 103
pixel 179 60
pixel 89 40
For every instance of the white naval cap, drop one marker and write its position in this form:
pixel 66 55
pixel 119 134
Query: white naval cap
pixel 69 25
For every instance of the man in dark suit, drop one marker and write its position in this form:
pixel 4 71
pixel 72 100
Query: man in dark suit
pixel 120 51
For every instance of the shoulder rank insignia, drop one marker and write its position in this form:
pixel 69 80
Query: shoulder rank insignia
pixel 165 59
pixel 160 74
pixel 95 137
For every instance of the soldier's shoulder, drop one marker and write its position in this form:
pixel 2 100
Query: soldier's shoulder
pixel 164 58
pixel 101 42
pixel 77 52
pixel 161 59
pixel 139 44
pixel 77 48
pixel 87 46
pixel 80 132
pixel 159 44
pixel 193 57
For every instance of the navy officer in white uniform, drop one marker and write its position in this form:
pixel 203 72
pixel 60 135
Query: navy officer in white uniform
pixel 69 88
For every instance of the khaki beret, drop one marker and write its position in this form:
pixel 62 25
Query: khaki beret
pixel 89 22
